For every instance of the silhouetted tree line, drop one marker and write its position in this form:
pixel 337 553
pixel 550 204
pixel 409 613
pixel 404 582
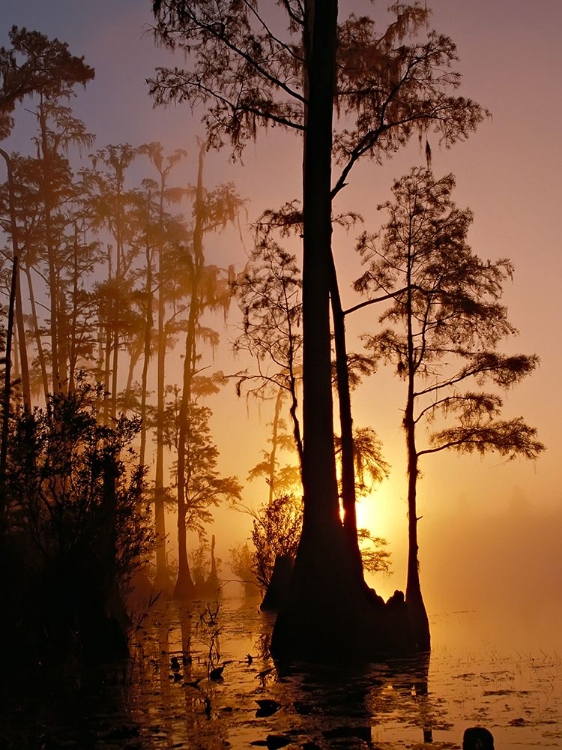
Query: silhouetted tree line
pixel 103 279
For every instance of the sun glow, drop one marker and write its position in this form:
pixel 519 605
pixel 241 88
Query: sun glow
pixel 382 511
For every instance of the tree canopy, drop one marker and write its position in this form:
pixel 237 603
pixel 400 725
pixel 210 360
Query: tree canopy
pixel 34 64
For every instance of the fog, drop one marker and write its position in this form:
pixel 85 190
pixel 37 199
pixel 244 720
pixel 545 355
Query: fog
pixel 489 562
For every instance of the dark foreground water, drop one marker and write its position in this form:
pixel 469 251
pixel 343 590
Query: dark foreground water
pixel 173 694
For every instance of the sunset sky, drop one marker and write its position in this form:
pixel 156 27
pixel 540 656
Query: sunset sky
pixel 489 527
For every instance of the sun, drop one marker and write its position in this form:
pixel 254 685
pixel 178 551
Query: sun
pixel 383 511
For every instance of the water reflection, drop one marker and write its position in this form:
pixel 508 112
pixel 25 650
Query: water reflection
pixel 409 703
pixel 201 678
pixel 350 705
pixel 255 702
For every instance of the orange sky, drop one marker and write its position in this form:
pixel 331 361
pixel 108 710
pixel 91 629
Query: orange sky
pixel 508 173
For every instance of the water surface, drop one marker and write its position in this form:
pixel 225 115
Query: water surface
pixel 171 695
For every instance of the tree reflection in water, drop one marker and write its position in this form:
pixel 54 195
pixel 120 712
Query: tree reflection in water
pixel 168 697
pixel 344 706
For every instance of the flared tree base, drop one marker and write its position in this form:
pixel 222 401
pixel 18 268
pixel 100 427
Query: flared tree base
pixel 331 614
pixel 418 618
pixel 277 594
pixel 367 629
pixel 163 586
pixel 184 589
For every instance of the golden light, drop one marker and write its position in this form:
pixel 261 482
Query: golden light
pixel 383 512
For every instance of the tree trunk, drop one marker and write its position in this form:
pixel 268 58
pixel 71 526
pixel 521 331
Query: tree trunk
pixel 105 350
pixel 22 344
pixel 63 338
pixel 329 614
pixel 346 423
pixel 24 368
pixel 320 487
pixel 212 584
pixel 184 585
pixel 37 335
pixel 73 355
pixel 116 306
pixel 147 341
pixel 162 576
pixel 414 598
pixel 274 440
pixel 46 197
pixel 6 400
pixel 184 588
pixel 135 351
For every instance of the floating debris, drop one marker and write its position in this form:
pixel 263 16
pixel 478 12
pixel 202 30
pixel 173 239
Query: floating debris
pixel 216 673
pixel 267 707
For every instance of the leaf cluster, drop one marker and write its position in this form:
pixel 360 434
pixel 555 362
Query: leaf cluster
pixel 374 555
pixel 241 71
pixel 510 438
pixel 276 531
pixel 370 466
pixel 246 67
pixel 444 320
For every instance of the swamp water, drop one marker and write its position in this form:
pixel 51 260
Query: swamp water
pixel 173 694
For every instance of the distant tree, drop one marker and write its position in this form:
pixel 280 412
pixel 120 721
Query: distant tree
pixel 269 295
pixel 242 565
pixel 35 64
pixel 205 567
pixel 203 487
pixel 58 131
pixel 209 291
pixel 171 292
pixel 50 225
pixel 113 206
pixel 152 300
pixel 445 323
pixel 27 234
pixel 78 330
